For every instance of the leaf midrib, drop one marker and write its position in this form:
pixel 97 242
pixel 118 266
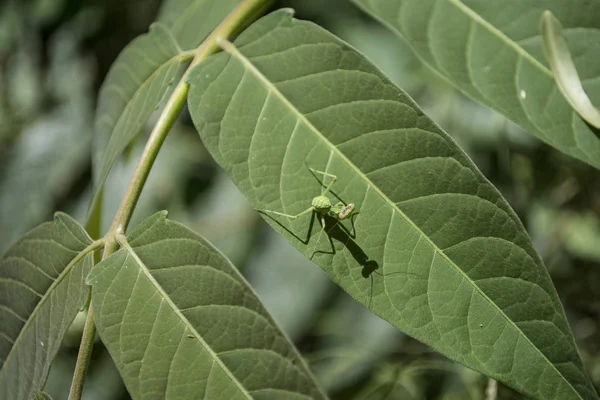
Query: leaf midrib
pixel 179 58
pixel 127 247
pixel 491 28
pixel 234 52
pixel 511 43
pixel 180 54
pixel 106 167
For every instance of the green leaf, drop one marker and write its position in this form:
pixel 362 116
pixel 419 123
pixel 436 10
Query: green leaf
pixel 565 73
pixel 181 322
pixel 41 291
pixel 140 77
pixel 493 52
pixel 42 396
pixel 191 21
pixel 435 250
pixel 133 89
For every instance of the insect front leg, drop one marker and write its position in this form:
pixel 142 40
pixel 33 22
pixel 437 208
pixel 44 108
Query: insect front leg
pixel 341 212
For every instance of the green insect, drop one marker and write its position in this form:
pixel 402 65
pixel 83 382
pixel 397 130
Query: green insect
pixel 322 205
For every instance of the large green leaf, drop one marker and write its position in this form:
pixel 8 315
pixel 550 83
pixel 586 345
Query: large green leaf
pixel 435 250
pixel 181 322
pixel 41 290
pixel 493 52
pixel 140 77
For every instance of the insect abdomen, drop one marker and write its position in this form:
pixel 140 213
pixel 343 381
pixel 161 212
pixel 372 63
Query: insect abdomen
pixel 321 203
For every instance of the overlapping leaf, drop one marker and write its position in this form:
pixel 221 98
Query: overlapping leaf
pixel 193 20
pixel 181 323
pixel 41 291
pixel 435 250
pixel 565 73
pixel 493 52
pixel 142 74
pixel 134 87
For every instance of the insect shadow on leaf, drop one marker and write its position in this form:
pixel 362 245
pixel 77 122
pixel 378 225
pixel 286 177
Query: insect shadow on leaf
pixel 369 266
pixel 330 215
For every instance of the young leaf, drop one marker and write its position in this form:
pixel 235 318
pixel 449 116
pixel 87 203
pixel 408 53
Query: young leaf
pixel 181 322
pixel 565 73
pixel 142 74
pixel 435 249
pixel 41 291
pixel 493 52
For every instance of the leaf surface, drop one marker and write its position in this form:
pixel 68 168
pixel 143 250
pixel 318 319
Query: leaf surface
pixel 191 21
pixel 435 249
pixel 140 77
pixel 181 322
pixel 41 291
pixel 493 52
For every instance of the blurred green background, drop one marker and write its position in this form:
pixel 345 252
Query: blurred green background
pixel 54 55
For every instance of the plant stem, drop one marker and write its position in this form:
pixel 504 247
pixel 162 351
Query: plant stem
pixel 491 391
pixel 244 12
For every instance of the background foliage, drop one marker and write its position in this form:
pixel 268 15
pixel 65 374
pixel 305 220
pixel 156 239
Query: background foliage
pixel 55 54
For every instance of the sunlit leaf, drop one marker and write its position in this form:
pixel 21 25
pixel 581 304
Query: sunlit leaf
pixel 435 250
pixel 493 52
pixel 181 322
pixel 41 291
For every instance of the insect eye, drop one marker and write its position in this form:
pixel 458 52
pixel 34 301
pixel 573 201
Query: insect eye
pixel 346 211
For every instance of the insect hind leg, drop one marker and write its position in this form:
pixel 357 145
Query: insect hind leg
pixel 329 239
pixel 304 241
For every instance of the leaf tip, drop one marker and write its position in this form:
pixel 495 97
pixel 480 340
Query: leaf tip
pixel 59 215
pixel 63 218
pixel 547 20
pixel 287 10
pixel 91 277
pixel 546 14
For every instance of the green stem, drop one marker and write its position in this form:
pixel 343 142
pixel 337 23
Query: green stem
pixel 245 11
pixel 92 247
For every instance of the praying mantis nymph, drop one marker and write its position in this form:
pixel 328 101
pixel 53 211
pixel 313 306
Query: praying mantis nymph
pixel 322 206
